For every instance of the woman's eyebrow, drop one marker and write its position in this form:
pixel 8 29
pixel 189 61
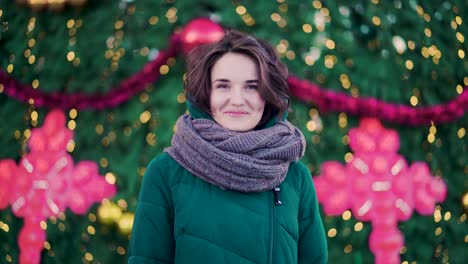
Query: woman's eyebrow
pixel 221 80
pixel 251 81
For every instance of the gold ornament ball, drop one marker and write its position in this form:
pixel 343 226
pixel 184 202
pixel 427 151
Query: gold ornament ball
pixel 125 223
pixel 109 212
pixel 465 201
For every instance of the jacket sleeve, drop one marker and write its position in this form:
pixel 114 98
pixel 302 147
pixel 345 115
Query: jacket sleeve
pixel 152 239
pixel 312 246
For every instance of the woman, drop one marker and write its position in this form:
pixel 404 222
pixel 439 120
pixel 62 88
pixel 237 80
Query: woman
pixel 230 189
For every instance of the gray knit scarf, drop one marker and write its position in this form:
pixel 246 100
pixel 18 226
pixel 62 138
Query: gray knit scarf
pixel 251 161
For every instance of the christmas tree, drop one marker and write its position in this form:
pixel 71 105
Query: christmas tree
pixel 116 69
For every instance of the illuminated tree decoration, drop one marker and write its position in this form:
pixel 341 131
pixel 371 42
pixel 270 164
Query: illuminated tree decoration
pixel 378 186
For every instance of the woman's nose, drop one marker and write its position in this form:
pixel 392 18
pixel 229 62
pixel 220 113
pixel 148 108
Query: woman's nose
pixel 237 96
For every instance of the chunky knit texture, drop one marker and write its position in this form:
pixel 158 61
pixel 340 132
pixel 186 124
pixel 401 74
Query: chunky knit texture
pixel 251 161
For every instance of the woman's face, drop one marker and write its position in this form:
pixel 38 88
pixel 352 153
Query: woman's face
pixel 235 101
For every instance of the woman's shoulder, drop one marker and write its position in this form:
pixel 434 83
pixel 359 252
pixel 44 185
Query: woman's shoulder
pixel 162 165
pixel 298 168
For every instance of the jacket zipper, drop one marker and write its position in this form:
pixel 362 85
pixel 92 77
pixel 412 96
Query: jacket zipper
pixel 276 202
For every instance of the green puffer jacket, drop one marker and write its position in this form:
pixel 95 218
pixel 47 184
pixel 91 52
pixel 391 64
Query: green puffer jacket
pixel 182 219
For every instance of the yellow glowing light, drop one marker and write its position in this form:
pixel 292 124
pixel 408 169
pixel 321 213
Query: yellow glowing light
pixel 92 217
pixel 70 55
pixel 311 125
pixel 376 20
pixel 414 100
pixel 99 129
pixel 328 62
pixel 241 10
pixel 35 83
pixel 125 223
pixel 27 53
pixel 181 98
pixel 358 226
pixel 309 60
pixel 461 133
pixel 145 117
pixel 447 216
pixel 346 215
pixel 32 59
pixel 431 138
pixel 118 24
pixel 307 28
pixel 121 250
pixel 433 129
pixel 27 133
pixel 324 11
pixel 427 17
pixel 291 55
pixel 43 225
pixel 31 43
pixel 460 37
pixel 72 124
pixel 345 140
pixel 153 20
pixel 70 23
pixel 420 10
pixel 438 231
pixel 275 17
pixel 317 4
pixel 103 162
pixel 122 204
pixel 88 256
pixel 409 64
pixel 70 146
pixel 282 23
pixel 1 88
pixel 330 44
pixel 46 245
pixel 91 230
pixel 343 120
pixel 110 178
pixel 348 249
pixel 411 45
pixel 248 20
pixel 375 2
pixel 461 54
pixel 465 80
pixel 348 157
pixel 332 232
pixel 164 69
pixel 34 115
pixel 73 113
pixel 453 24
pixel 151 139
pixel 458 20
pixel 459 89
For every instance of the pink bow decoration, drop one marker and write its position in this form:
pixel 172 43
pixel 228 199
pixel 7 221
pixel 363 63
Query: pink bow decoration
pixel 46 182
pixel 378 186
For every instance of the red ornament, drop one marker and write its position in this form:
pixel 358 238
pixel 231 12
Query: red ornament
pixel 200 31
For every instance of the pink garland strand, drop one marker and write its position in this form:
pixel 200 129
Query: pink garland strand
pixel 325 100
pixel 117 95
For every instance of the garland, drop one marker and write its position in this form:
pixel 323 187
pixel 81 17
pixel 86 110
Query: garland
pixel 325 99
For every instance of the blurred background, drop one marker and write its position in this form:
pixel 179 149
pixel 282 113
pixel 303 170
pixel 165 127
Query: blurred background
pixel 116 68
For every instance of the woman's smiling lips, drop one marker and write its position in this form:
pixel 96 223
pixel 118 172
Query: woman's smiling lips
pixel 235 113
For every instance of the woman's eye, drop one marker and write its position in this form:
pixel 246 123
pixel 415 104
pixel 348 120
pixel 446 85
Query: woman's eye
pixel 222 86
pixel 252 87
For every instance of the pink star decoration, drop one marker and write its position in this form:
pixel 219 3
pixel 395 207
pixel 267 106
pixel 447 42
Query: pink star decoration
pixel 46 182
pixel 378 186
